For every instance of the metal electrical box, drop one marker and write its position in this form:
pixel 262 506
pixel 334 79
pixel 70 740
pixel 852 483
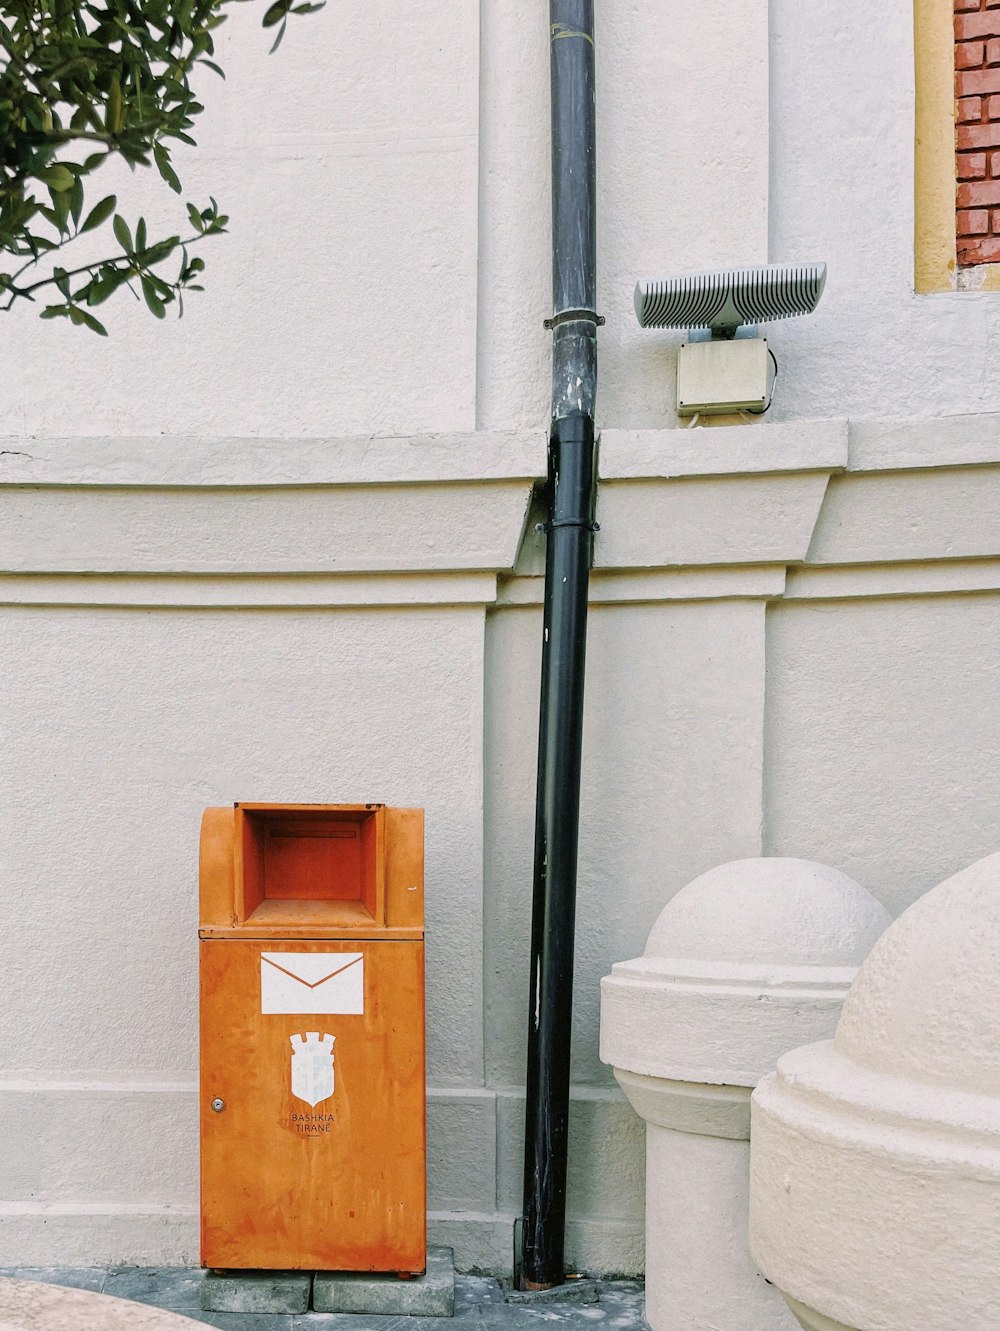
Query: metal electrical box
pixel 312 1038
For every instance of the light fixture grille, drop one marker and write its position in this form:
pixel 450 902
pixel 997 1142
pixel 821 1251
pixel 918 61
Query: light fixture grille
pixel 725 298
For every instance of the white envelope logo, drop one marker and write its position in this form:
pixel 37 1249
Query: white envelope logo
pixel 322 982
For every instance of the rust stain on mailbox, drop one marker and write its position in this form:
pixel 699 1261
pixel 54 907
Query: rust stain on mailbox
pixel 312 1038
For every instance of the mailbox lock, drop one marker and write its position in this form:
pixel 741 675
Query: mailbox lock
pixel 218 1105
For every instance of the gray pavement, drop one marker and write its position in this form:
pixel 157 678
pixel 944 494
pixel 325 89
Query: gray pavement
pixel 480 1304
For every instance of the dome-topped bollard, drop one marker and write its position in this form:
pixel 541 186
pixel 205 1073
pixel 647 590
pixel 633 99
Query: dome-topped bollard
pixel 743 964
pixel 875 1188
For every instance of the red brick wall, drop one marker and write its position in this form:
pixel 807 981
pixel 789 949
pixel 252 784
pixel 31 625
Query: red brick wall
pixel 977 135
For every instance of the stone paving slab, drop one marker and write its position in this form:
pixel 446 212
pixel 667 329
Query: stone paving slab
pixel 429 1295
pixel 176 1288
pixel 368 1322
pixel 71 1277
pixel 575 1291
pixel 480 1304
pixel 179 1289
pixel 256 1292
pixel 477 1291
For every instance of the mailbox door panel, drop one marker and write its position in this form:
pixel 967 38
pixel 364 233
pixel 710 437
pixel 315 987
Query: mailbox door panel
pixel 316 1158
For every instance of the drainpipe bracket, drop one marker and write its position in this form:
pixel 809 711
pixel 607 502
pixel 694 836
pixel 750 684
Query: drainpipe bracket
pixel 544 527
pixel 575 316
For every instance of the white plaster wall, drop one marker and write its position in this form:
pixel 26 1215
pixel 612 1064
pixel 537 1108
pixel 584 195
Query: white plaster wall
pixel 672 785
pixel 344 297
pixel 121 726
pixel 387 271
pixel 226 621
pixel 682 158
pixel 882 748
pixel 738 133
pixel 221 578
pixel 841 189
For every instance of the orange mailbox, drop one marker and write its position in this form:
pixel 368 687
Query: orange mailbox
pixel 312 1038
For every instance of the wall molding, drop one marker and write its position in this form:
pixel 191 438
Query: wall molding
pixel 278 591
pixel 707 513
pixel 883 507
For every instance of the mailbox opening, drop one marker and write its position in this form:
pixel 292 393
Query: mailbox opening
pixel 317 865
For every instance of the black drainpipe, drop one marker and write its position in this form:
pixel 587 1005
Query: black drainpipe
pixel 569 542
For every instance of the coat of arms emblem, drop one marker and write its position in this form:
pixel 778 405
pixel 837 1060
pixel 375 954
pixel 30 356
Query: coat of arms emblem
pixel 312 1067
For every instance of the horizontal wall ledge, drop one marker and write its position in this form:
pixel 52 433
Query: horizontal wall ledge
pixel 669 500
pixel 685 584
pixel 899 516
pixel 940 441
pixel 947 577
pixel 348 529
pixel 766 519
pixel 183 461
pixel 724 450
pixel 168 461
pixel 318 591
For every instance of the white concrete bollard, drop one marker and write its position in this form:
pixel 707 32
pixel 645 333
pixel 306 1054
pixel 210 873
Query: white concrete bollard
pixel 742 965
pixel 875 1184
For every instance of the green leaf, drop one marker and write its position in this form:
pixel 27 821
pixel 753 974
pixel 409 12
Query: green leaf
pixel 60 206
pixel 54 312
pixel 61 280
pixel 106 286
pixel 158 252
pixel 153 302
pixel 90 322
pixel 162 159
pixel 140 236
pixel 75 196
pixel 57 177
pixel 115 116
pixel 275 13
pixel 195 217
pixel 100 213
pixel 122 234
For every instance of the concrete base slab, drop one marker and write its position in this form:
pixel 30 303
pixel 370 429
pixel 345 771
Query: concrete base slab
pixel 429 1295
pixel 256 1291
pixel 573 1291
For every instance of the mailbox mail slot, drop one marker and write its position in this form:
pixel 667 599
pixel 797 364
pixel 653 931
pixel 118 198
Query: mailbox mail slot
pixel 312 1038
